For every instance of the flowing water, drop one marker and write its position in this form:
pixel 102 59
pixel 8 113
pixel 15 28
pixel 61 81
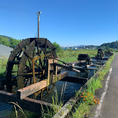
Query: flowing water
pixel 5 110
pixel 63 91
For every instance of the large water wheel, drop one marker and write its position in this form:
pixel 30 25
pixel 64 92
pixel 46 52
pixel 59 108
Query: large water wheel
pixel 19 71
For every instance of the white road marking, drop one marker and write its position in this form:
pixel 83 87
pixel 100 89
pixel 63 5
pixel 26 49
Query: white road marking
pixel 98 110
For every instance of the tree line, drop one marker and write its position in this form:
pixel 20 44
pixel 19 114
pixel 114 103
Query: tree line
pixel 113 45
pixel 7 41
pixel 10 42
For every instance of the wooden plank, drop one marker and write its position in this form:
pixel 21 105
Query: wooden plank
pixel 68 67
pixel 29 90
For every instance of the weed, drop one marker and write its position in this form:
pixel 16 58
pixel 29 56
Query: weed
pixel 94 85
pixel 18 110
pixel 82 110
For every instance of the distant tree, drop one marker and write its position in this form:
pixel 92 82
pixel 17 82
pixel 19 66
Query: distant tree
pixel 13 43
pixel 4 42
pixel 57 46
pixel 113 45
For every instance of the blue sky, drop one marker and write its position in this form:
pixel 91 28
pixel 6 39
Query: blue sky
pixel 67 22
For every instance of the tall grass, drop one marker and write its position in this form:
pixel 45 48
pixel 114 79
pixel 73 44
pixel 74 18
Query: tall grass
pixel 57 103
pixel 94 85
pixel 18 112
pixel 56 106
pixel 81 111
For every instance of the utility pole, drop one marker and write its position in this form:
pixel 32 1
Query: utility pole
pixel 38 23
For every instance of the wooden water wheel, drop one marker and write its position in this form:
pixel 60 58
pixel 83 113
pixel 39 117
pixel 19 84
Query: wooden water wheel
pixel 19 71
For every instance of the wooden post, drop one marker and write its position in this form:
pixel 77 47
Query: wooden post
pixel 48 79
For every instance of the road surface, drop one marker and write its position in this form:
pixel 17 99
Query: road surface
pixel 5 51
pixel 110 104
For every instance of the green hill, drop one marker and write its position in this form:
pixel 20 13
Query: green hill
pixel 8 41
pixel 11 42
pixel 113 45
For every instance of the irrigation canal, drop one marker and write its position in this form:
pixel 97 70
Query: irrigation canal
pixel 63 89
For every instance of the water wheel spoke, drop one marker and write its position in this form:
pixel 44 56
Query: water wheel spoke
pixel 30 63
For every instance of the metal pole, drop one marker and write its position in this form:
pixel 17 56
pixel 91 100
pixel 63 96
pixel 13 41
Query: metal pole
pixel 38 22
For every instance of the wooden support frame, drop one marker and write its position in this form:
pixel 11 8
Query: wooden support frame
pixel 36 87
pixel 68 67
pixel 51 65
pixel 29 90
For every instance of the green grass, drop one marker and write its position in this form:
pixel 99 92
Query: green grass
pixel 82 110
pixel 3 62
pixel 83 107
pixel 56 105
pixel 71 55
pixel 94 85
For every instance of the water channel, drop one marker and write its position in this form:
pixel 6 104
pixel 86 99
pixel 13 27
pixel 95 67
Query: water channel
pixel 62 90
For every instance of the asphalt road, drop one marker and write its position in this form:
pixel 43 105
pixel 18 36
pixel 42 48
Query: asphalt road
pixel 110 104
pixel 5 51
